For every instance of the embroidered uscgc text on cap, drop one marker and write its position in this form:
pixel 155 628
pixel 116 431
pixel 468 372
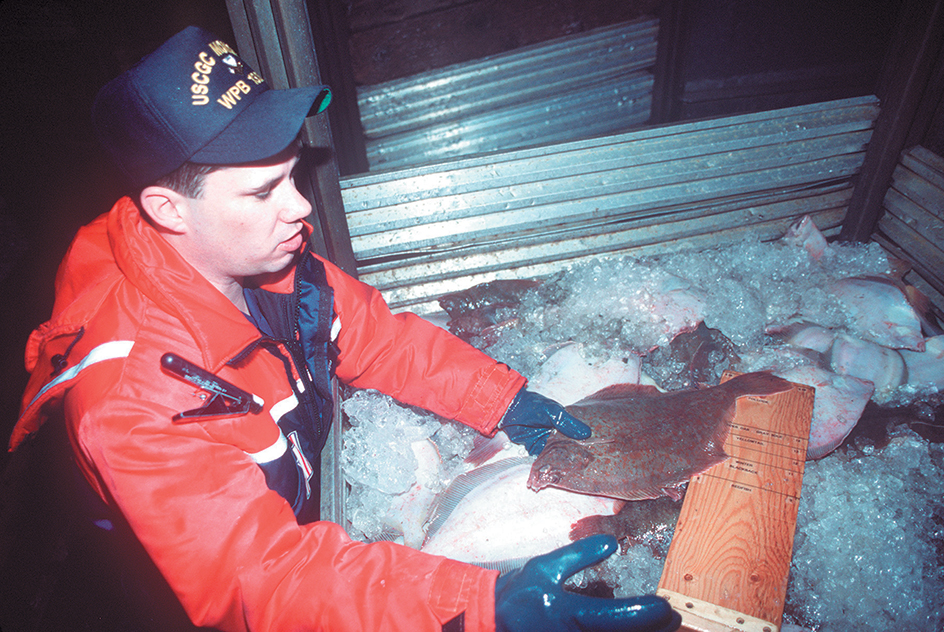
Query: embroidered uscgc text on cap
pixel 207 62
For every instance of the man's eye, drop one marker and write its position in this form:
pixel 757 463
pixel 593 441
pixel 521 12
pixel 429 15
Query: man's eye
pixel 262 195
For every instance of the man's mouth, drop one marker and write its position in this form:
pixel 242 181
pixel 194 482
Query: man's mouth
pixel 292 243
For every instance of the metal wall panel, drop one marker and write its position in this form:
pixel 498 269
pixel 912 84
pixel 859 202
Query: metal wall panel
pixel 420 232
pixel 566 89
pixel 912 225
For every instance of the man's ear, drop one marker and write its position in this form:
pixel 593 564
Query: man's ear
pixel 166 208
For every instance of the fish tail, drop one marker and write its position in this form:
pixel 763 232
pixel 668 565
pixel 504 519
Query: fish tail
pixel 592 525
pixel 758 383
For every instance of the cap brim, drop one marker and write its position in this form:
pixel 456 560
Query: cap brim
pixel 266 127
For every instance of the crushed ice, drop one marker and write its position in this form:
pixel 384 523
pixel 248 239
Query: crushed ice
pixel 870 536
pixel 870 533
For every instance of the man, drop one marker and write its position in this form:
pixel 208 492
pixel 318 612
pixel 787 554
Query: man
pixel 190 352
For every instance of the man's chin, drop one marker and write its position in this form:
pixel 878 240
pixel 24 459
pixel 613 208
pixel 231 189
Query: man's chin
pixel 276 271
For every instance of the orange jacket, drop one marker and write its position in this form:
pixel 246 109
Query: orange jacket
pixel 229 546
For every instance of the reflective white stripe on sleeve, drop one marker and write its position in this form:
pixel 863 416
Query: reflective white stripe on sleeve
pixel 105 351
pixel 271 453
pixel 335 329
pixel 278 448
pixel 279 409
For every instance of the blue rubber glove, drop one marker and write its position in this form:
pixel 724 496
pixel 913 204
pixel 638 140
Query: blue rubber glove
pixel 531 417
pixel 533 597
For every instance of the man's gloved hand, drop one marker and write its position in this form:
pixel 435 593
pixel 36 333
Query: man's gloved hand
pixel 533 597
pixel 531 417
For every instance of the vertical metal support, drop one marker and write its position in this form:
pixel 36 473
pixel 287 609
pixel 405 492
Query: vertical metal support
pixel 331 33
pixel 905 85
pixel 333 488
pixel 275 37
pixel 670 57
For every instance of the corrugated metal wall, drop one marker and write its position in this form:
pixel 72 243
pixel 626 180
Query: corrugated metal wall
pixel 569 88
pixel 421 232
pixel 912 225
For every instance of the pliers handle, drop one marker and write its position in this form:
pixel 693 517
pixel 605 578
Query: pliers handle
pixel 227 399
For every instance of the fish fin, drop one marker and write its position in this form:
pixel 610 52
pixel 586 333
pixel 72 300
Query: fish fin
pixel 644 493
pixel 619 391
pixel 675 493
pixel 758 383
pixel 484 448
pixel 592 525
pixel 462 486
pixel 814 453
pixel 388 535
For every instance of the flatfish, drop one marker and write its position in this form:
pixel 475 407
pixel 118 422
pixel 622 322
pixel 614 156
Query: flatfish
pixel 483 310
pixel 839 403
pixel 879 311
pixel 489 517
pixel 646 443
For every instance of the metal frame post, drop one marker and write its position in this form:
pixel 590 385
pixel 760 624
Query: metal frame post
pixel 908 82
pixel 275 37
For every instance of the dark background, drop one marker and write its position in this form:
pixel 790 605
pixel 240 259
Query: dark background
pixel 738 55
pixel 57 53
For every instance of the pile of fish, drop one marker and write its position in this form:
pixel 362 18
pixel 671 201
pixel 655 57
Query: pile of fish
pixel 653 429
pixel 645 444
pixel 889 339
pixel 892 340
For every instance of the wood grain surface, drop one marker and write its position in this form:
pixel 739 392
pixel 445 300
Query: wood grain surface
pixel 728 563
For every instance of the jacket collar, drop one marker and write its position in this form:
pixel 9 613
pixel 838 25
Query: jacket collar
pixel 122 245
pixel 155 267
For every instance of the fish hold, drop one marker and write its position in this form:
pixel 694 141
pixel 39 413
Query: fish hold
pixel 645 443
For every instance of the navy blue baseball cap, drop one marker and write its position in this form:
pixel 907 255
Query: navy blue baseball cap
pixel 194 99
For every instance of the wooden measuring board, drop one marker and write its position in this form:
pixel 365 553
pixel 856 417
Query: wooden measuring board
pixel 729 559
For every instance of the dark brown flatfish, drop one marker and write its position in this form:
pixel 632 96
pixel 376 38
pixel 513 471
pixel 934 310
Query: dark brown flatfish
pixel 646 443
pixel 474 312
pixel 702 353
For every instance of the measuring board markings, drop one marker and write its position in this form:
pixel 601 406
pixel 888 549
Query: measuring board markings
pixel 761 458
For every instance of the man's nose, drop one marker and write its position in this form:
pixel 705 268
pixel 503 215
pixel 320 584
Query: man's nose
pixel 298 207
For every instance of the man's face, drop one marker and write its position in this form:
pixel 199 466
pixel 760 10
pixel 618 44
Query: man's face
pixel 248 220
